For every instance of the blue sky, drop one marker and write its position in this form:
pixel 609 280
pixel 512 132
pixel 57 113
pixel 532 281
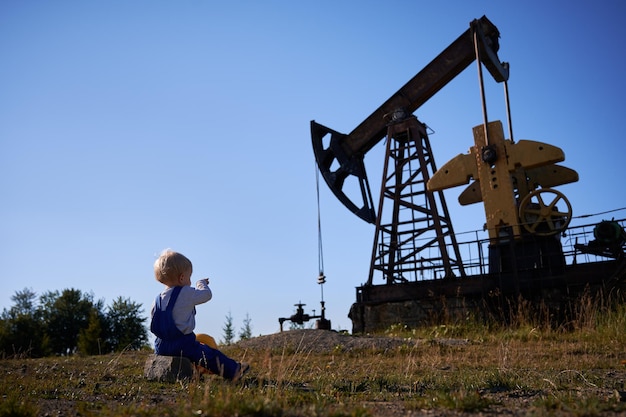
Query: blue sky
pixel 128 127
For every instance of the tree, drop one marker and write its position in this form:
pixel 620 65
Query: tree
pixel 91 340
pixel 24 302
pixel 21 331
pixel 66 321
pixel 64 315
pixel 246 330
pixel 127 328
pixel 229 330
pixel 23 335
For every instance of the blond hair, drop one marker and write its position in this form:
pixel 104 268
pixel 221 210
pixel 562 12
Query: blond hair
pixel 170 265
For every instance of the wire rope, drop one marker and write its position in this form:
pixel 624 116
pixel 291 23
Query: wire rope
pixel 321 279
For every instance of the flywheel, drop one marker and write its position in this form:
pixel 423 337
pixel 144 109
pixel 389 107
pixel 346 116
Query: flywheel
pixel 539 214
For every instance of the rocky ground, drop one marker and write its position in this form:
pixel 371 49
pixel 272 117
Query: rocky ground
pixel 317 341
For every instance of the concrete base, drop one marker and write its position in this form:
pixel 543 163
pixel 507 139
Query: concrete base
pixel 168 368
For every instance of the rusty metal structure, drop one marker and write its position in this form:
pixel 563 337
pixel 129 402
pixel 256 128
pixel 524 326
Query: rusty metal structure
pixel 415 250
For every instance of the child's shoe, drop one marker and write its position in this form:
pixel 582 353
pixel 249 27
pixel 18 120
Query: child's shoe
pixel 242 369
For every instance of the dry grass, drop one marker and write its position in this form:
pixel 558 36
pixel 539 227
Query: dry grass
pixel 461 369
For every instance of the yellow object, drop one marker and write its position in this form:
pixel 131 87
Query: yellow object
pixel 503 178
pixel 205 339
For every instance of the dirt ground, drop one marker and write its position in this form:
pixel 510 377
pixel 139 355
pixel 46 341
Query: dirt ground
pixel 317 341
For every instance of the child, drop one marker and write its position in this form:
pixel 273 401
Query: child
pixel 173 317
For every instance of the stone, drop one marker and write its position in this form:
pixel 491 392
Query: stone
pixel 168 368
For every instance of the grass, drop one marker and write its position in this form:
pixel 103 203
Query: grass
pixel 466 367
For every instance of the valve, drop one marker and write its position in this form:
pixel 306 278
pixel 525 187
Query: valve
pixel 300 317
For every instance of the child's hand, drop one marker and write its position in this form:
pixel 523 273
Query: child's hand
pixel 202 283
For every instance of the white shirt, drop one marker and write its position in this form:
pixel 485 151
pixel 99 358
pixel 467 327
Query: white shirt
pixel 184 312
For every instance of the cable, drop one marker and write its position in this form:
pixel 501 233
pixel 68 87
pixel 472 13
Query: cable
pixel 582 216
pixel 321 279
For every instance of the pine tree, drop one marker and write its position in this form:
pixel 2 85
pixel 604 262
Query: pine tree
pixel 246 330
pixel 90 339
pixel 229 330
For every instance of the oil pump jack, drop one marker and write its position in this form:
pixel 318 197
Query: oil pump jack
pixel 415 249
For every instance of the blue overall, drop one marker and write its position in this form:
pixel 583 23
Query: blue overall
pixel 170 341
